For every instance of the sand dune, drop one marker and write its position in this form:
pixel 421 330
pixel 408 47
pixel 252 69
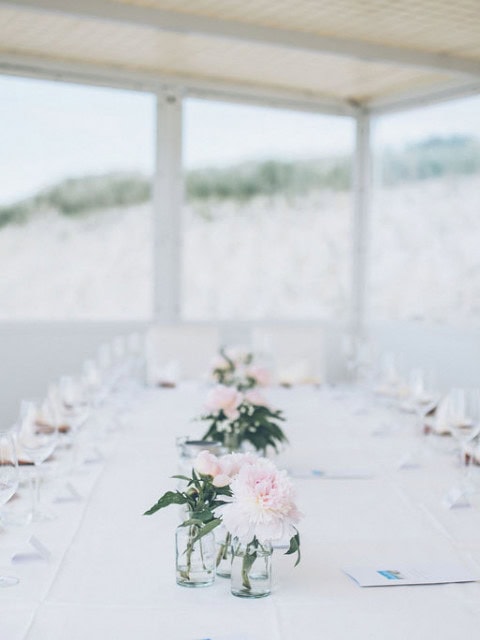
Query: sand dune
pixel 267 258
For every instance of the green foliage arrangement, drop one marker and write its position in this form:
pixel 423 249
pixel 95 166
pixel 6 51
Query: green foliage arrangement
pixel 256 424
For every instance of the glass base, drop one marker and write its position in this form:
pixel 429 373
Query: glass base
pixel 251 594
pixel 8 581
pixel 194 585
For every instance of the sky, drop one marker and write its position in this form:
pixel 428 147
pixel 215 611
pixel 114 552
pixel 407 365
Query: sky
pixel 52 130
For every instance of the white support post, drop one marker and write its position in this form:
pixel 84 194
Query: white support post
pixel 168 196
pixel 361 226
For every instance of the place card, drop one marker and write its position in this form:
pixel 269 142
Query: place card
pixel 397 575
pixel 456 498
pixel 95 456
pixel 408 461
pixel 235 636
pixel 40 552
pixel 336 474
pixel 71 494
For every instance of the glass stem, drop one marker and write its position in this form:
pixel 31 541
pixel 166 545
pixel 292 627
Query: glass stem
pixel 36 489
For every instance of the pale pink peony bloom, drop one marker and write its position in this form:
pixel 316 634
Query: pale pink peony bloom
pixel 262 505
pixel 261 375
pixel 255 397
pixel 226 399
pixel 221 480
pixel 207 464
pixel 231 463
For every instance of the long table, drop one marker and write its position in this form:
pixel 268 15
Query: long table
pixel 112 569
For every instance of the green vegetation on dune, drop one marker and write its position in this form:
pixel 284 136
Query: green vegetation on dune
pixel 268 178
pixel 77 196
pixel 431 158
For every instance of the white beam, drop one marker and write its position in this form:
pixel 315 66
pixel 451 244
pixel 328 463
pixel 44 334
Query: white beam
pixel 201 25
pixel 423 98
pixel 87 73
pixel 167 203
pixel 361 225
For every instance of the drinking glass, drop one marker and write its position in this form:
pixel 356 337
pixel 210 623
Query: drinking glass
pixel 38 441
pixel 74 410
pixel 463 415
pixel 424 396
pixel 9 479
pixel 73 402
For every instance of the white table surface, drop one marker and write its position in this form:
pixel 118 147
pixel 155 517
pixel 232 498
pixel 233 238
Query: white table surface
pixel 112 571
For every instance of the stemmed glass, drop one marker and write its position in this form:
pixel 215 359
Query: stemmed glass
pixel 38 441
pixel 423 396
pixel 73 408
pixel 463 411
pixel 9 479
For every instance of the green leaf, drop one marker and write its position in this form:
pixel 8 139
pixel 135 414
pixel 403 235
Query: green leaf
pixel 171 497
pixel 181 478
pixel 223 491
pixel 202 516
pixel 294 547
pixel 210 526
pixel 192 522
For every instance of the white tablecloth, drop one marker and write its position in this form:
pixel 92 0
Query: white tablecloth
pixel 112 572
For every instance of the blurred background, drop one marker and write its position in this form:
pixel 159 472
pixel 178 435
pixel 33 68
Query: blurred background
pixel 265 234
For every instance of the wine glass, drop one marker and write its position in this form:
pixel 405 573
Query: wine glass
pixel 464 421
pixel 92 383
pixel 9 479
pixel 74 410
pixel 38 440
pixel 73 402
pixel 423 396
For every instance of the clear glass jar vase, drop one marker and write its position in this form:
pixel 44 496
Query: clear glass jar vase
pixel 232 441
pixel 251 569
pixel 195 559
pixel 223 541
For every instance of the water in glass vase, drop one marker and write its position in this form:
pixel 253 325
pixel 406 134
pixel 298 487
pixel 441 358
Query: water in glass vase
pixel 251 569
pixel 195 559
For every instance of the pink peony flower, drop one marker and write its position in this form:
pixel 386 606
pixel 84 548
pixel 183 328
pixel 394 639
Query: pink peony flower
pixel 262 505
pixel 226 399
pixel 261 375
pixel 221 480
pixel 255 397
pixel 207 464
pixel 231 463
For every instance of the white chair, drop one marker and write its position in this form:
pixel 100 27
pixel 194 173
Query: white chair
pixel 179 351
pixel 296 353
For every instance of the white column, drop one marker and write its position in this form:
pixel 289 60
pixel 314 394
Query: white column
pixel 167 202
pixel 361 225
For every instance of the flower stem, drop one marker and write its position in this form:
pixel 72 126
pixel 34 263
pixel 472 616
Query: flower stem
pixel 224 547
pixel 247 563
pixel 192 530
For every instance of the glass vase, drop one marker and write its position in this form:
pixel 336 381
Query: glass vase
pixel 224 552
pixel 232 442
pixel 195 559
pixel 251 569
